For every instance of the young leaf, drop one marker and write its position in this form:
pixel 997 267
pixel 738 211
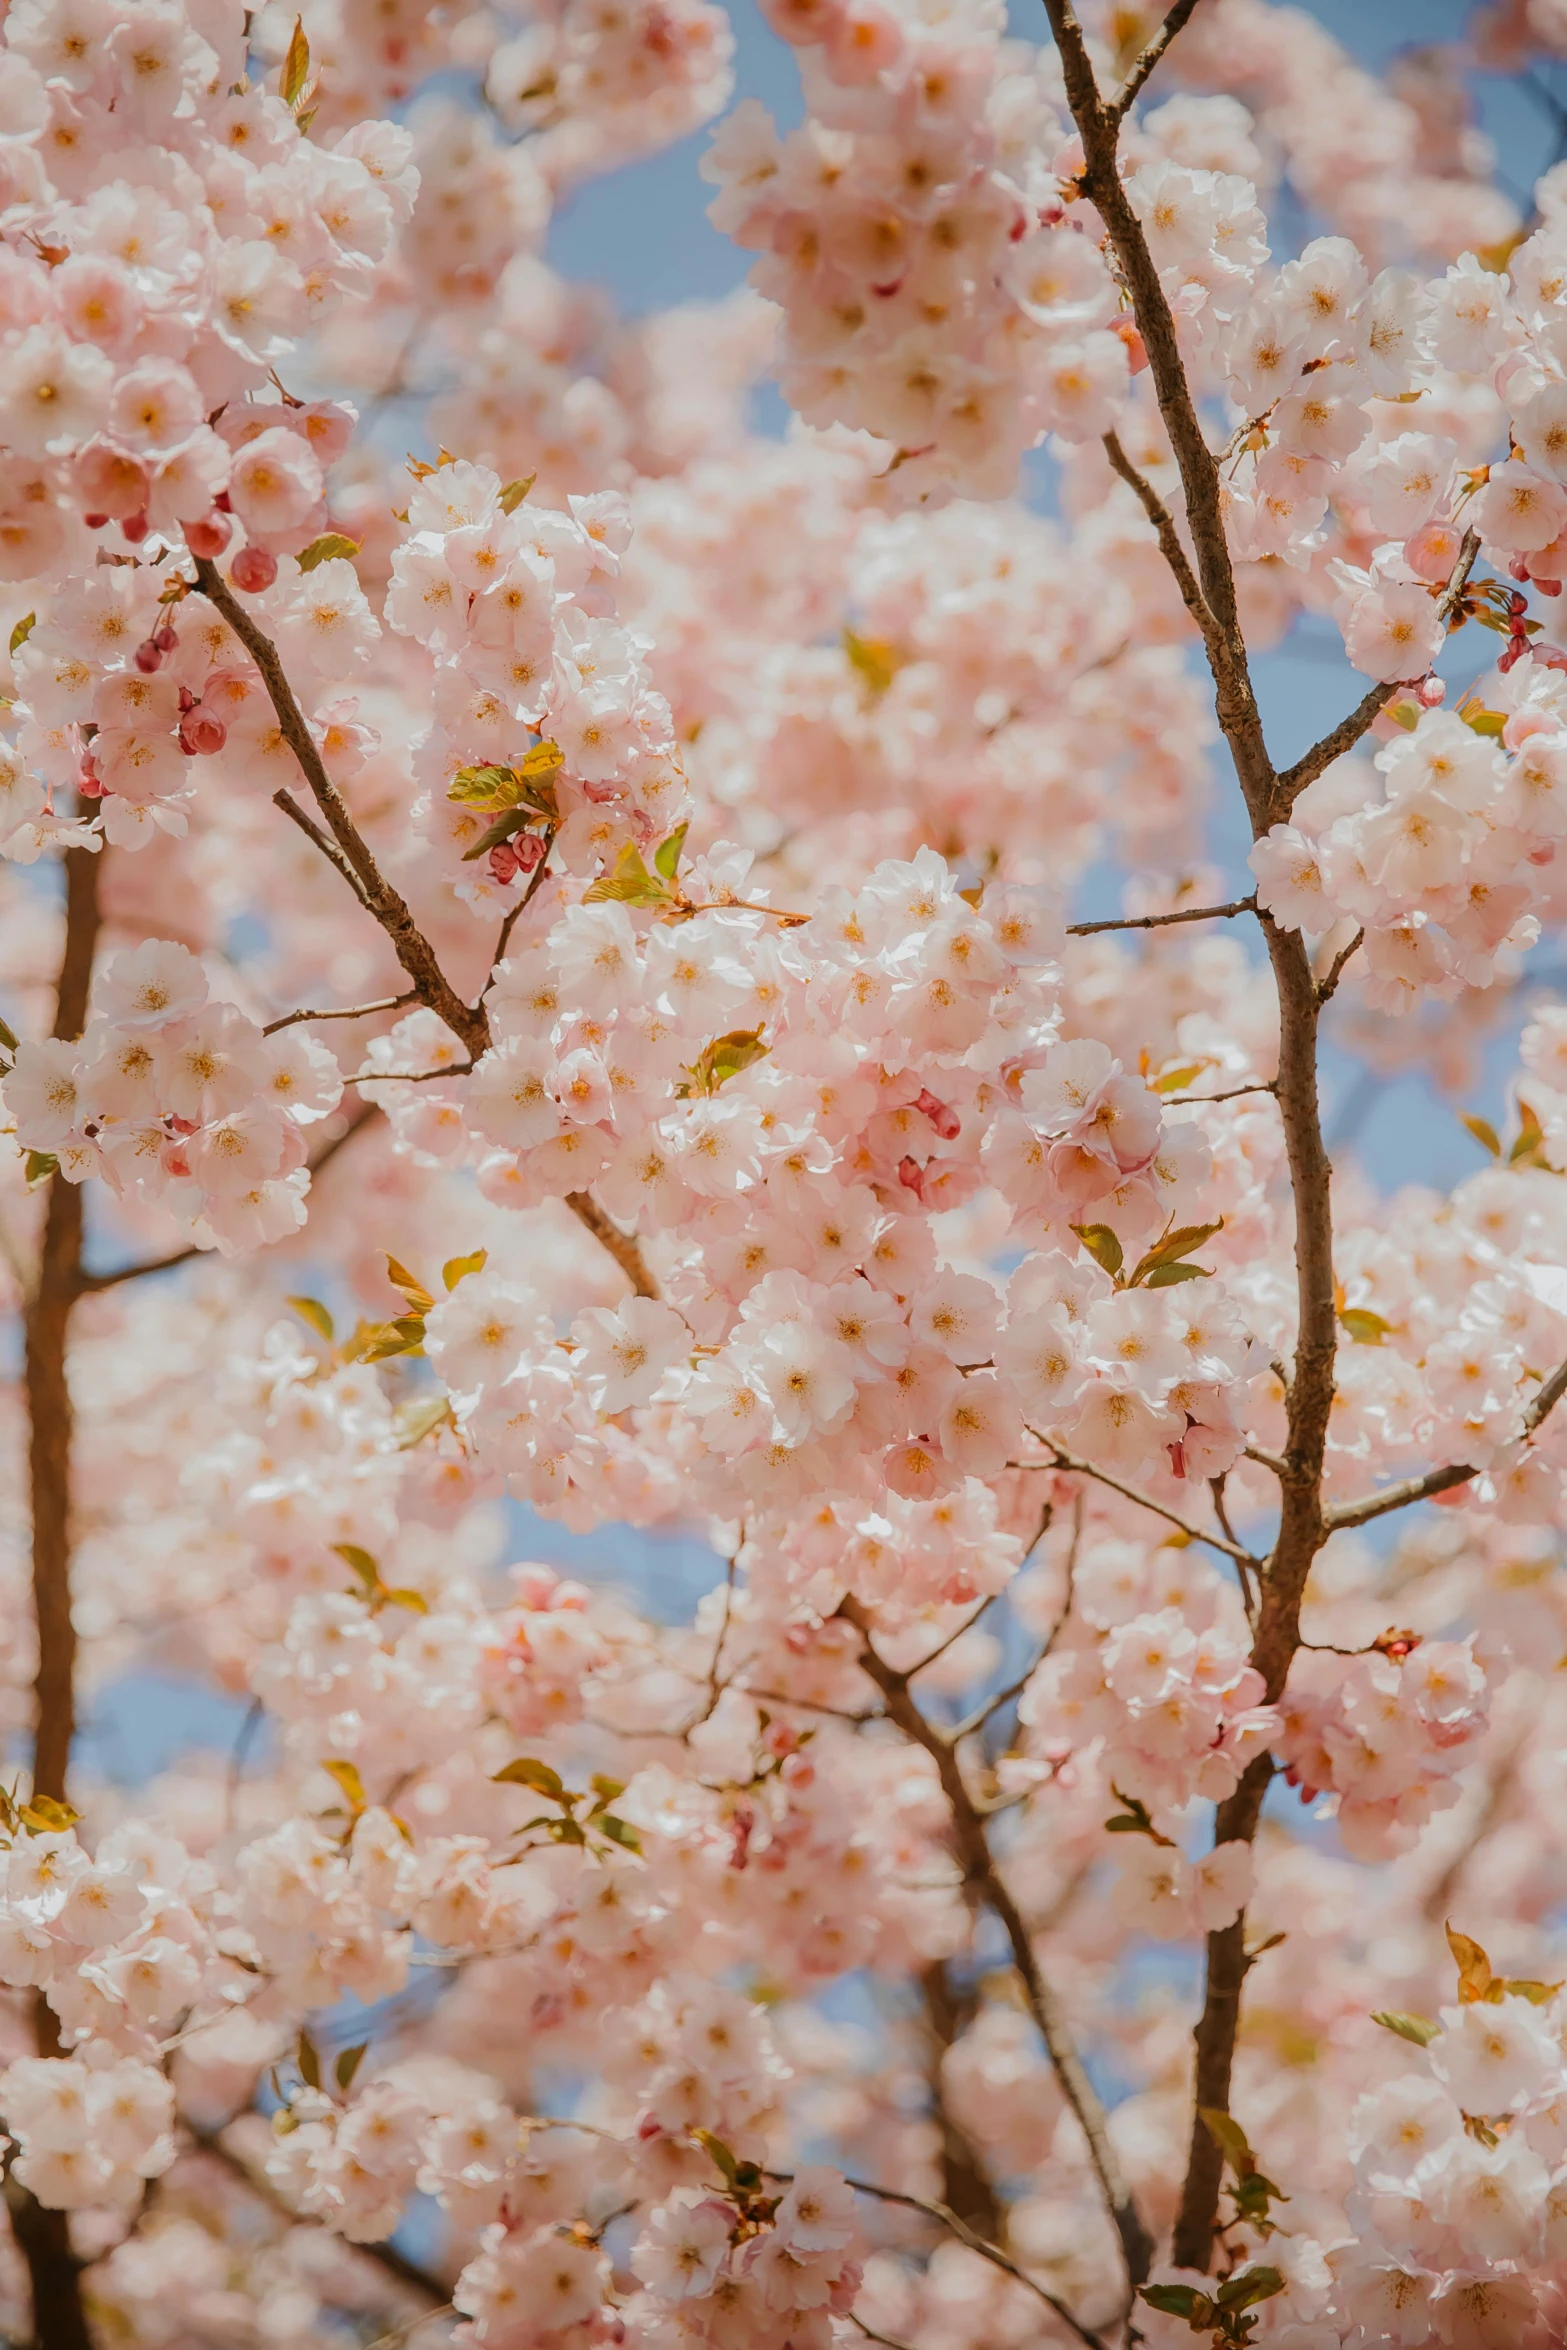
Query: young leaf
pixel 619 1831
pixel 296 65
pixel 9 1038
pixel 525 1771
pixel 875 662
pixel 347 1776
pixel 1179 2301
pixel 1247 2287
pixel 399 1595
pixel 1173 1080
pixel 1537 1994
pixel 1474 1968
pixel 348 2064
pixel 725 1057
pixel 415 1292
pixel 457 1269
pixel 1170 1250
pixel 514 492
pixel 311 1310
pixel 363 1564
pixel 507 825
pixel 1102 1245
pixel 1134 1820
pixel 413 1422
pixel 1364 1327
pixel 1418 2028
pixel 1526 1150
pixel 23 630
pixel 45 1815
pixel 629 883
pixel 1484 1133
pixel 405 1336
pixel 484 787
pixel 1166 1276
pixel 540 764
pixel 307 2057
pixel 1230 2138
pixel 40 1166
pixel 326 549
pixel 666 857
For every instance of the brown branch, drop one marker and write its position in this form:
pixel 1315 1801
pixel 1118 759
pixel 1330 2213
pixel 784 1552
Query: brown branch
pixel 386 2256
pixel 390 1003
pixel 1163 521
pixel 350 854
pixel 1310 1394
pixel 412 949
pixel 1329 986
pixel 984 1884
pixel 44 2237
pixel 1081 1468
pixel 966 2186
pixel 88 1284
pixel 1349 730
pixel 949 2219
pixel 1179 15
pixel 1399 1497
pixel 1162 921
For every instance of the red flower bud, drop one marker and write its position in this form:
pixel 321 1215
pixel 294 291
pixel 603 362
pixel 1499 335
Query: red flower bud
pixel 252 570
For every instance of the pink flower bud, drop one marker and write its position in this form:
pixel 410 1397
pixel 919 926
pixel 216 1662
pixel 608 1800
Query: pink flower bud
pixel 95 521
pixel 210 535
pixel 201 733
pixel 165 639
pixel 252 570
pixel 148 655
pixel 136 526
pixel 945 1119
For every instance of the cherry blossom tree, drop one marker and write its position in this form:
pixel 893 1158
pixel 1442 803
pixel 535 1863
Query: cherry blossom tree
pixel 549 990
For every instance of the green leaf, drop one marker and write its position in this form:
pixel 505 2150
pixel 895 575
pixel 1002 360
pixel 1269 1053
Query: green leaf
pixel 1484 1133
pixel 619 1831
pixel 1179 2301
pixel 40 1166
pixel 23 630
pixel 1134 1820
pixel 45 1815
pixel 718 2153
pixel 348 2064
pixel 296 66
pixel 399 1595
pixel 413 1422
pixel 1102 1245
pixel 347 1776
pixel 1249 2286
pixel 326 549
pixel 1171 1249
pixel 363 1564
pixel 725 1057
pixel 1364 1327
pixel 1483 721
pixel 666 857
pixel 1166 1276
pixel 606 1789
pixel 311 1310
pixel 514 493
pixel 1230 2138
pixel 483 787
pixel 527 1771
pixel 308 2059
pixel 1418 2028
pixel 405 1336
pixel 507 825
pixel 457 1269
pixel 1172 1080
pixel 629 883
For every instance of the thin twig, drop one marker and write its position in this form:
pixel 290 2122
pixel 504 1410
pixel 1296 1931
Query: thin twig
pixel 947 2218
pixel 515 913
pixel 1399 1497
pixel 1081 1468
pixel 1349 730
pixel 1163 521
pixel 992 1705
pixel 390 1003
pixel 1328 986
pixel 1163 921
pixel 984 1884
pixel 364 1077
pixel 318 840
pixel 1150 57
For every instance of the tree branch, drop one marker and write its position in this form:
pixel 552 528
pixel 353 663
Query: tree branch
pixel 984 1883
pixel 386 2256
pixel 350 853
pixel 947 2218
pixel 1162 921
pixel 1349 730
pixel 1163 521
pixel 390 1003
pixel 1145 1501
pixel 1179 15
pixel 88 1284
pixel 1399 1497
